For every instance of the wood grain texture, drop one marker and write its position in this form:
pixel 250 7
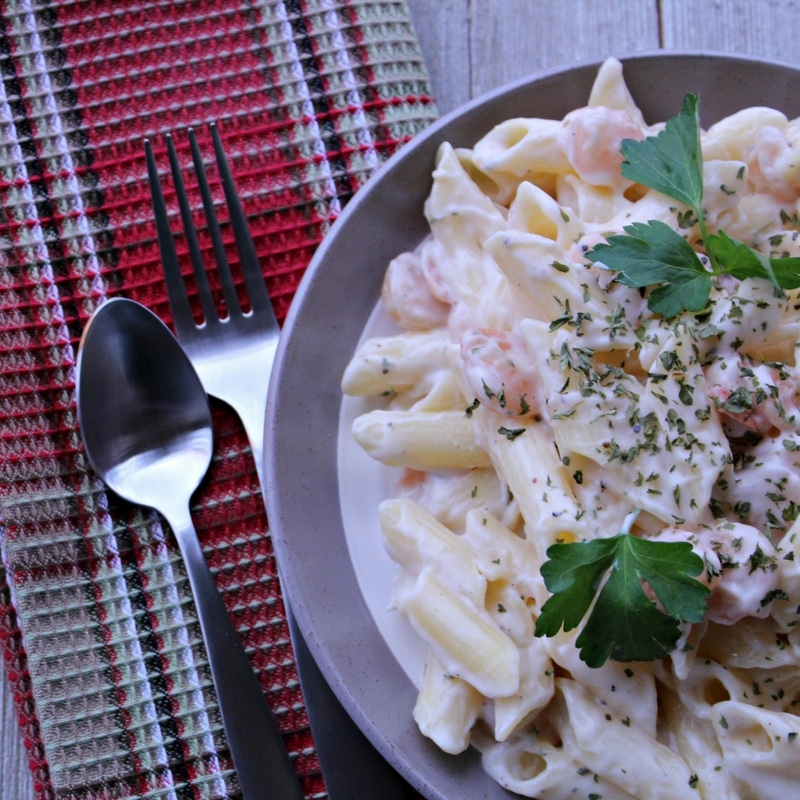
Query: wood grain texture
pixel 762 28
pixel 534 36
pixel 443 28
pixel 472 46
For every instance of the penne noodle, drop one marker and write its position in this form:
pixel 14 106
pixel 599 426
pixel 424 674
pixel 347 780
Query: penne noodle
pixel 391 363
pixel 463 639
pixel 420 440
pixel 447 708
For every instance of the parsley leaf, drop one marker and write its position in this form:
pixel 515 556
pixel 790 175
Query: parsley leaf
pixel 652 253
pixel 672 163
pixel 624 623
pixel 743 262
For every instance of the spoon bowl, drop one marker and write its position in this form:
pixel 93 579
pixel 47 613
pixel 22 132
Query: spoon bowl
pixel 146 426
pixel 142 410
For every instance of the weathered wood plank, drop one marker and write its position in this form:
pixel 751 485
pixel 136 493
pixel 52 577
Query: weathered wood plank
pixel 472 46
pixel 766 30
pixel 443 29
pixel 513 38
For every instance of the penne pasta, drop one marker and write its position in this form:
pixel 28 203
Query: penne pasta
pixel 420 440
pixel 393 363
pixel 464 639
pixel 447 708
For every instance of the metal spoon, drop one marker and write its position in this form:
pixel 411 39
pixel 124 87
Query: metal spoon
pixel 146 426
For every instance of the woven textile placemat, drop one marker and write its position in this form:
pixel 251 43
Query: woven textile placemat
pixel 97 628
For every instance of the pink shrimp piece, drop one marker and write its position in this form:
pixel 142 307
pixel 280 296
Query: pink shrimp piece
pixel 738 420
pixel 763 399
pixel 789 393
pixel 747 574
pixel 407 297
pixel 497 370
pixel 592 139
pixel 432 256
pixel 740 569
pixel 773 163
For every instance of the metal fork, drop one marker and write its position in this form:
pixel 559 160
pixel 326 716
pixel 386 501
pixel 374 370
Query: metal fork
pixel 233 357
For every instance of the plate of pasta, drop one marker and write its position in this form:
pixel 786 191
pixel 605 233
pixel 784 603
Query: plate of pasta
pixel 534 449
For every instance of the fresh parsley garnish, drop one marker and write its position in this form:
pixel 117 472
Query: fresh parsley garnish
pixel 472 407
pixel 609 575
pixel 742 262
pixel 652 254
pixel 672 161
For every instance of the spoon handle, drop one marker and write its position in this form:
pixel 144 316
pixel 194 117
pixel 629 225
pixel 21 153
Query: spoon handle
pixel 259 754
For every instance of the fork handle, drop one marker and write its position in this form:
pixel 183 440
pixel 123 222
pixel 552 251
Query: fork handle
pixel 259 754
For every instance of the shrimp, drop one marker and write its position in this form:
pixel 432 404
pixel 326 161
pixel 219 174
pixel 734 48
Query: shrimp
pixel 741 568
pixel 498 371
pixel 407 297
pixel 754 398
pixel 774 162
pixel 592 137
pixel 748 573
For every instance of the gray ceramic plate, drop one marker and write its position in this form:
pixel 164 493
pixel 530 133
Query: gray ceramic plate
pixel 327 319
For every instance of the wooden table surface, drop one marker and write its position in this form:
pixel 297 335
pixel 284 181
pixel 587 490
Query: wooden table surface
pixel 472 46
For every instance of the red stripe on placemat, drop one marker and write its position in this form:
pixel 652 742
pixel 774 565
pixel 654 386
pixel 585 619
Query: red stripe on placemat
pixel 165 82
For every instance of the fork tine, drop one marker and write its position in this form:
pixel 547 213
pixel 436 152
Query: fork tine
pixel 198 267
pixel 251 268
pixel 223 267
pixel 176 290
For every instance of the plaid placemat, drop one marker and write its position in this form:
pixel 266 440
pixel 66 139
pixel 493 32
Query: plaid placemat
pixel 97 628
